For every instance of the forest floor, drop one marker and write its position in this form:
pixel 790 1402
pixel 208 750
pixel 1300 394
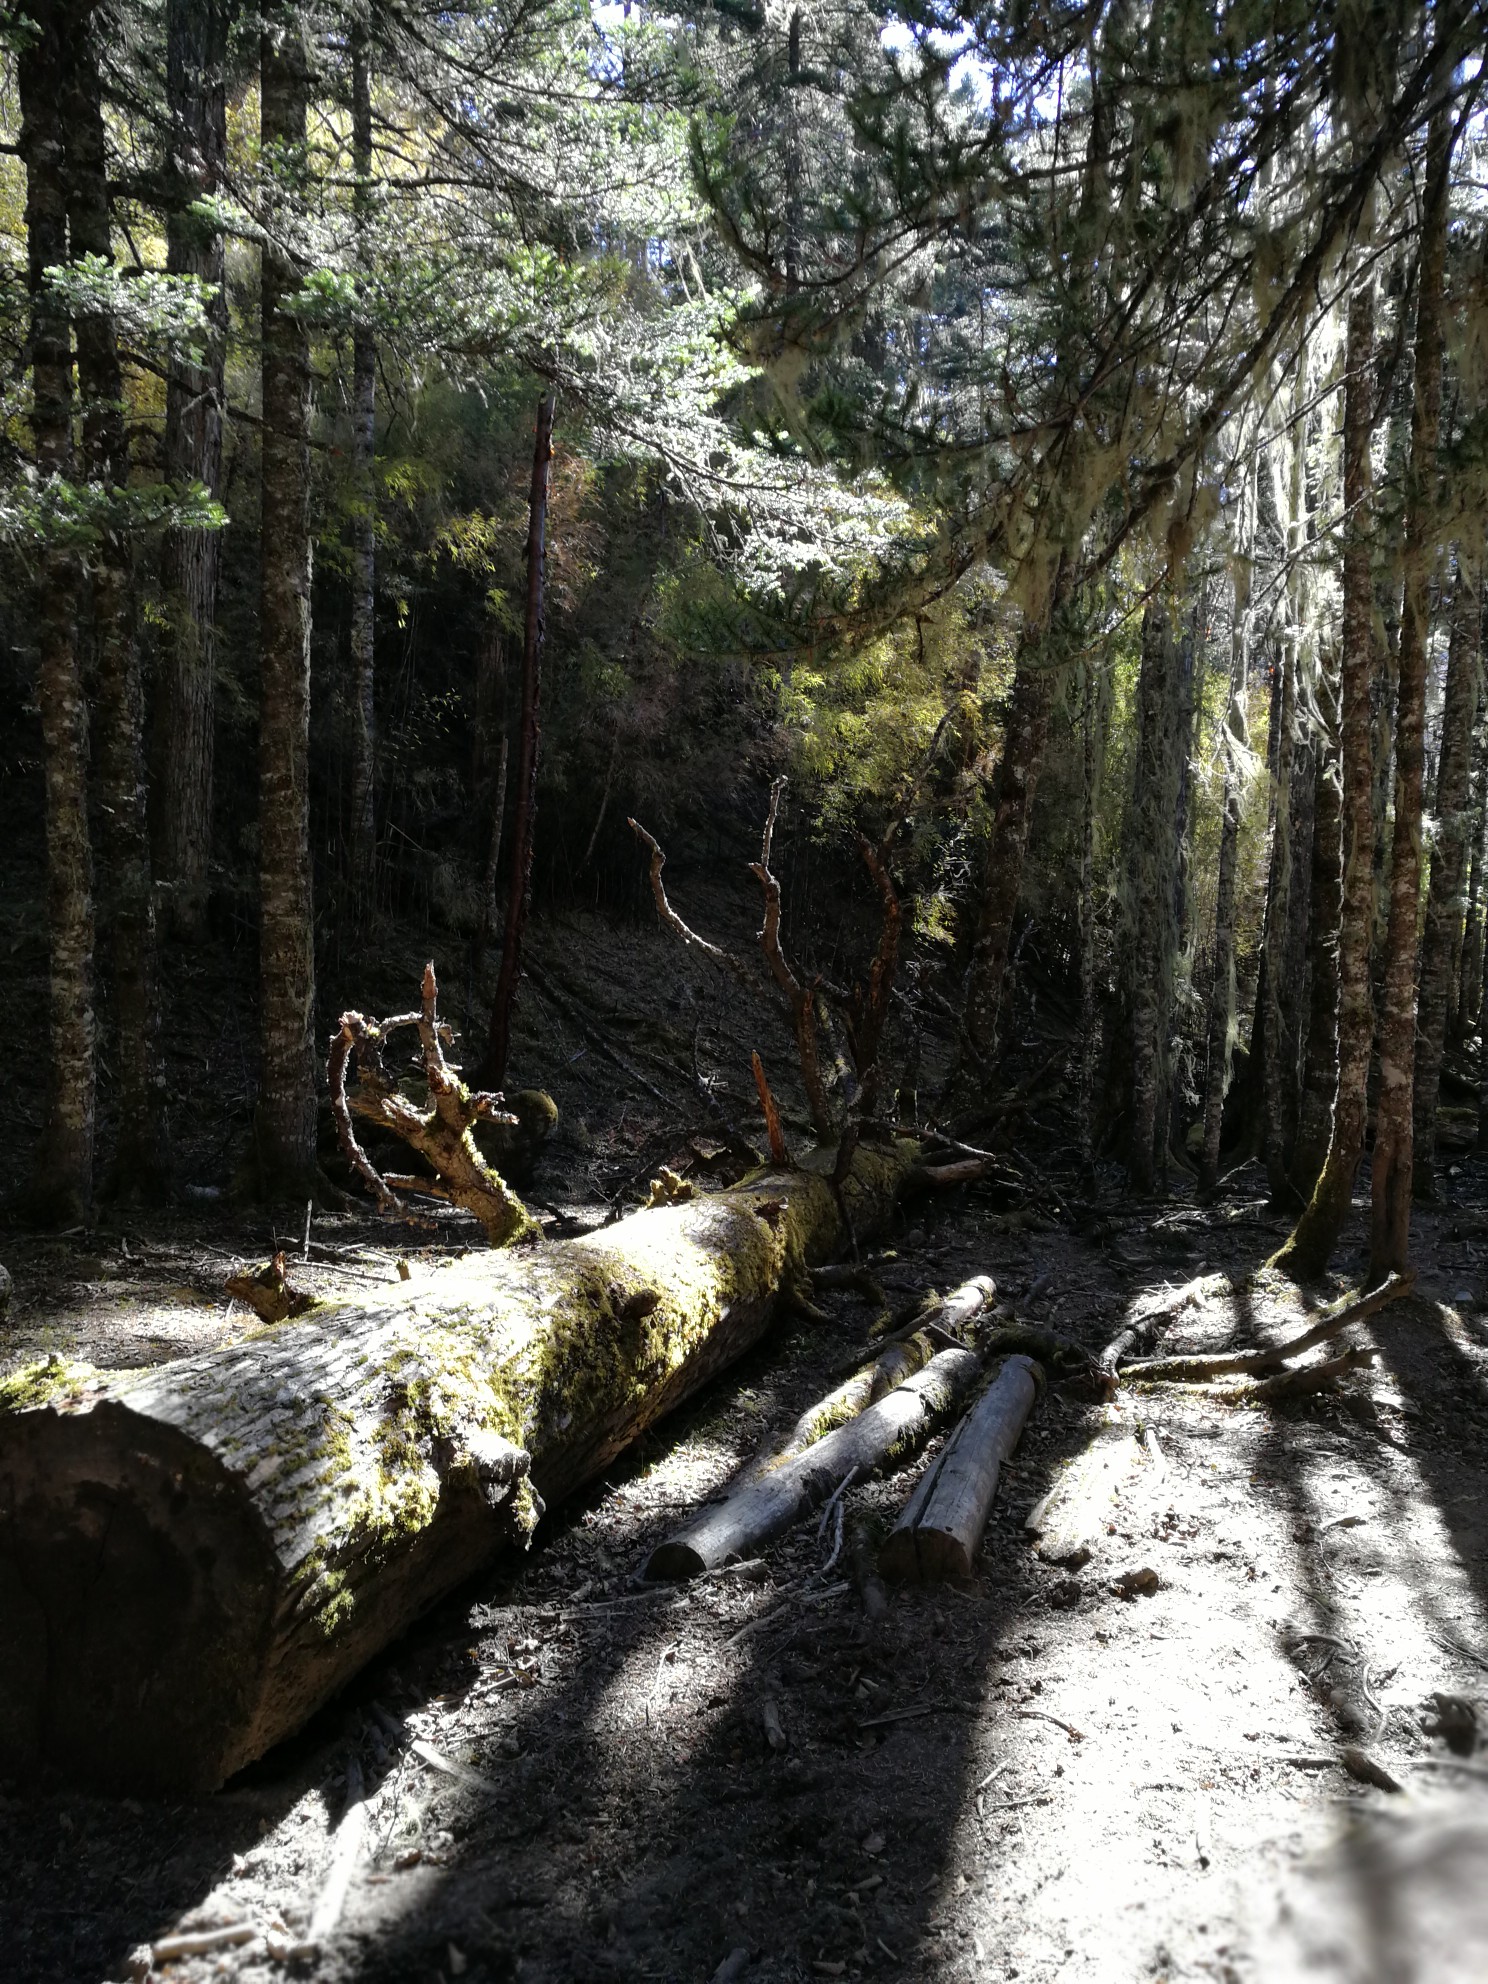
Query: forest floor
pixel 1027 1777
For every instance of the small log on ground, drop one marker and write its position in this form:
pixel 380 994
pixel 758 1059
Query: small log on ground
pixel 1071 1518
pixel 937 1535
pixel 1200 1366
pixel 767 1506
pixel 948 1322
pixel 194 1557
pixel 898 1363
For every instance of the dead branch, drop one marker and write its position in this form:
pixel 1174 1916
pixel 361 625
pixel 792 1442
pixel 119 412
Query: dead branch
pixel 715 953
pixel 1196 1368
pixel 268 1293
pixel 800 998
pixel 779 1149
pixel 1310 1378
pixel 442 1134
pixel 870 1008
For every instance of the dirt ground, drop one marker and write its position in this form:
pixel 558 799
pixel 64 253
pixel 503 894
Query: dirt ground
pixel 567 1774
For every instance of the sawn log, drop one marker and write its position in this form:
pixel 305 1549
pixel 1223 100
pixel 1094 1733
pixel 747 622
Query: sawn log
pixel 942 1524
pixel 767 1505
pixel 194 1557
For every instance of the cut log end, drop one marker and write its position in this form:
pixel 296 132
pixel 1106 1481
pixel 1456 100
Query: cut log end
pixel 195 1556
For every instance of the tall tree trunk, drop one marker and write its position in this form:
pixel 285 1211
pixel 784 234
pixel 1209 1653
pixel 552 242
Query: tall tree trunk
pixel 1470 977
pixel 196 93
pixel 364 511
pixel 1087 1047
pixel 1448 862
pixel 519 888
pixel 1152 853
pixel 489 785
pixel 1320 1060
pixel 1190 692
pixel 1286 930
pixel 1312 1241
pixel 1235 745
pixel 139 1170
pixel 62 1187
pixel 1389 1236
pixel 284 1127
pixel 1017 781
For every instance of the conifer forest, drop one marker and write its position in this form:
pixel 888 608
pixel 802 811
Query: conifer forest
pixel 743 931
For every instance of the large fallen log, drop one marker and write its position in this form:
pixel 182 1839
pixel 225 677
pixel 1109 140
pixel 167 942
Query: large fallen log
pixel 194 1557
pixel 769 1504
pixel 942 1524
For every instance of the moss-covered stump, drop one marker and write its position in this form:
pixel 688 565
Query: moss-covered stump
pixel 194 1557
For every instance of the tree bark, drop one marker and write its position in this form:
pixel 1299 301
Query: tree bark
pixel 1310 1246
pixel 62 1189
pixel 363 849
pixel 519 887
pixel 1234 744
pixel 1320 1060
pixel 1448 861
pixel 1017 782
pixel 193 1557
pixel 1469 1000
pixel 1286 929
pixel 1152 860
pixel 139 1165
pixel 196 94
pixel 937 1535
pixel 1392 1174
pixel 1087 1051
pixel 284 1126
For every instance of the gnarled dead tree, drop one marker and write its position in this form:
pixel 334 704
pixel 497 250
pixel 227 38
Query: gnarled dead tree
pixel 443 1134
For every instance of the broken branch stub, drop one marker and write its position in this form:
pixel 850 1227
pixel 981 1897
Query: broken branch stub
pixel 442 1134
pixel 195 1556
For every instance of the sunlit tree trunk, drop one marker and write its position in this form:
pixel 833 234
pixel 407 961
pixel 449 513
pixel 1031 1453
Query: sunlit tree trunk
pixel 1312 1241
pixel 1389 1237
pixel 62 1181
pixel 284 1127
pixel 363 849
pixel 1320 1058
pixel 1286 913
pixel 1470 974
pixel 196 59
pixel 139 1157
pixel 1448 861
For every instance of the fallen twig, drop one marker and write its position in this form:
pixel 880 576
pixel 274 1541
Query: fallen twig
pixel 1203 1365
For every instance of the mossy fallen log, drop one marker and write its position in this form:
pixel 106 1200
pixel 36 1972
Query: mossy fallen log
pixel 194 1557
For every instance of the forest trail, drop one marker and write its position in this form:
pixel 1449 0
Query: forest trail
pixel 569 1776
